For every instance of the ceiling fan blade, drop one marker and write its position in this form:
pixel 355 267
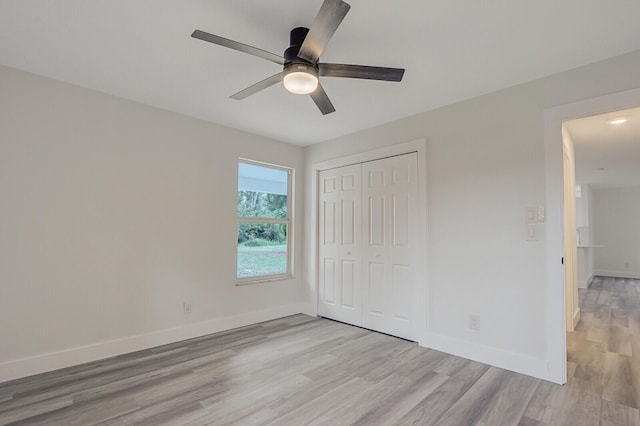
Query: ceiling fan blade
pixel 361 71
pixel 322 100
pixel 261 85
pixel 329 17
pixel 201 35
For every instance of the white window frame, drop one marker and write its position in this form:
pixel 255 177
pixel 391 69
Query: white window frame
pixel 288 222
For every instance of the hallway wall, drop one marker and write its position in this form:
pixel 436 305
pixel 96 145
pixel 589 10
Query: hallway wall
pixel 616 215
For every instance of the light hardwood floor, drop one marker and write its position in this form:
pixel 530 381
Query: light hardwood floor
pixel 302 370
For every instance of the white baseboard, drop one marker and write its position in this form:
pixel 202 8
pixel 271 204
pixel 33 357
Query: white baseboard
pixel 576 317
pixel 590 280
pixel 15 369
pixel 617 274
pixel 586 283
pixel 308 309
pixel 519 363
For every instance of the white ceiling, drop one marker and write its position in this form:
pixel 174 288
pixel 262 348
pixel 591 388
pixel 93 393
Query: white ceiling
pixel 452 50
pixel 613 148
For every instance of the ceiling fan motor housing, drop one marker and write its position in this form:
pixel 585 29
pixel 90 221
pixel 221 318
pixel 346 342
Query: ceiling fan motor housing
pixel 292 63
pixel 296 38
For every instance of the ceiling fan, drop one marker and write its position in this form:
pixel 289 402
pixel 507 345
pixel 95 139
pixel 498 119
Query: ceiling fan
pixel 301 68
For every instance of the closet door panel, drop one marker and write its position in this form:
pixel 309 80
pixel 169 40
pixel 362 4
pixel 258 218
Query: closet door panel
pixel 348 283
pixel 389 192
pixel 340 268
pixel 328 281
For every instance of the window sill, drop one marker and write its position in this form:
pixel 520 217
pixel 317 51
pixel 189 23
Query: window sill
pixel 263 279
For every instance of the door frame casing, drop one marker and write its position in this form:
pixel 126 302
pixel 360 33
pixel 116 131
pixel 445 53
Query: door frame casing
pixel 421 224
pixel 572 310
pixel 554 234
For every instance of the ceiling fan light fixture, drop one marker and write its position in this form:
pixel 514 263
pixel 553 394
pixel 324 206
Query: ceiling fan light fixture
pixel 300 79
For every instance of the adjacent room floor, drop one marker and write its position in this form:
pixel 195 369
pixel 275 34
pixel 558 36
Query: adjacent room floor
pixel 604 351
pixel 302 370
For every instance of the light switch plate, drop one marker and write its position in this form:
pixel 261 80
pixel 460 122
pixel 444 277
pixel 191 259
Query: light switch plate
pixel 531 214
pixel 532 232
pixel 540 214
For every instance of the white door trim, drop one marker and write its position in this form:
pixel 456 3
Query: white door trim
pixel 421 231
pixel 554 236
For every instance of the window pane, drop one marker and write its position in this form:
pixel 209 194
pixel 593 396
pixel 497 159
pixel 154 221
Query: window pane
pixel 262 249
pixel 262 191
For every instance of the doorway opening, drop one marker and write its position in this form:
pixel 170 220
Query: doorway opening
pixel 560 319
pixel 602 240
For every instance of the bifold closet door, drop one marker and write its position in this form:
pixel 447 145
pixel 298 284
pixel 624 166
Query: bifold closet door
pixel 389 193
pixel 366 245
pixel 339 262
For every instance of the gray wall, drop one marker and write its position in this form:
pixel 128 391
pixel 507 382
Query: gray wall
pixel 486 164
pixel 616 215
pixel 112 214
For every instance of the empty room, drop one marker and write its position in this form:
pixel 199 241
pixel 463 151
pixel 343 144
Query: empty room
pixel 317 212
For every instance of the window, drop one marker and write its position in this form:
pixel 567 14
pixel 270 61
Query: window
pixel 264 222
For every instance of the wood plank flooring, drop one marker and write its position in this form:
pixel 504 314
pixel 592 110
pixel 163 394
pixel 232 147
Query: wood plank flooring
pixel 301 370
pixel 604 351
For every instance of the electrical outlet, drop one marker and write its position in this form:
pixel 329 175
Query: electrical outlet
pixel 187 308
pixel 474 322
